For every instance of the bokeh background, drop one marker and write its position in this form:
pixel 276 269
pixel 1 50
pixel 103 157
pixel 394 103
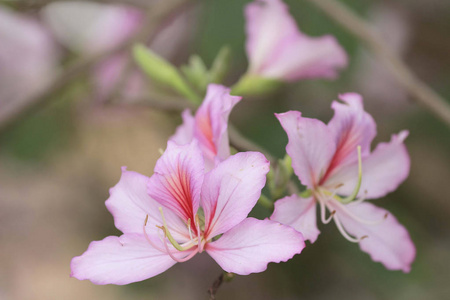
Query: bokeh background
pixel 59 156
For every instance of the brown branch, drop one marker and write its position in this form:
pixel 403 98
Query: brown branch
pixel 159 13
pixel 421 92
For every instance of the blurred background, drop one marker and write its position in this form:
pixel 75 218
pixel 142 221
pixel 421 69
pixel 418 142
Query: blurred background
pixel 74 108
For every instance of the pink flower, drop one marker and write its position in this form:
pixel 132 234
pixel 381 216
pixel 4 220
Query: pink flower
pixel 163 223
pixel 277 49
pixel 210 125
pixel 28 60
pixel 328 160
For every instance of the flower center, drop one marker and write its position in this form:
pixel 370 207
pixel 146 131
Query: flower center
pixel 331 201
pixel 168 238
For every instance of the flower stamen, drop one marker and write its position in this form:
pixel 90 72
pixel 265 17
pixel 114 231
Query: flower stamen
pixel 358 184
pixel 168 235
pixel 343 232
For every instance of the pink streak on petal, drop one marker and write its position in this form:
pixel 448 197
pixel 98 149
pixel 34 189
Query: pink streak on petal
pixel 310 146
pixel 299 213
pixel 129 204
pixel 120 260
pixel 231 190
pixel 351 127
pixel 252 244
pixel 177 180
pixel 277 49
pixel 387 242
pixel 383 170
pixel 185 132
pixel 211 124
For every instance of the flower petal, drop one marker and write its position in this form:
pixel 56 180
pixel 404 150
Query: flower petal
pixel 310 146
pixel 129 203
pixel 277 49
pixel 351 127
pixel 120 260
pixel 185 132
pixel 305 57
pixel 251 245
pixel 382 171
pixel 211 123
pixel 299 213
pixel 387 242
pixel 231 190
pixel 267 23
pixel 178 178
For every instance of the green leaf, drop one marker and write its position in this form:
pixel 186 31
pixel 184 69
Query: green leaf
pixel 196 73
pixel 163 72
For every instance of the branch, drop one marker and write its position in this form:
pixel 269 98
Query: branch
pixel 422 93
pixel 158 14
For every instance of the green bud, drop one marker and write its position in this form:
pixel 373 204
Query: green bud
pixel 163 72
pixel 251 85
pixel 220 65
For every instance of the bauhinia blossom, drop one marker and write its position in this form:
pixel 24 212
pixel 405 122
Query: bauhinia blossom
pixel 277 49
pixel 210 125
pixel 28 60
pixel 181 211
pixel 334 162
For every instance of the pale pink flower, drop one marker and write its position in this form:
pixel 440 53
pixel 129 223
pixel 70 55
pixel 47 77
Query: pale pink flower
pixel 28 59
pixel 210 125
pixel 277 49
pixel 327 160
pixel 181 211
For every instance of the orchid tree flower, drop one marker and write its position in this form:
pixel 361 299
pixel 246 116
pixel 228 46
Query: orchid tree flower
pixel 278 51
pixel 340 172
pixel 181 211
pixel 210 125
pixel 28 60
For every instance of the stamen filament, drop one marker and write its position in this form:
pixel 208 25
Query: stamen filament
pixel 168 235
pixel 189 229
pixel 148 238
pixel 189 256
pixel 358 219
pixel 358 185
pixel 200 246
pixel 343 232
pixel 323 211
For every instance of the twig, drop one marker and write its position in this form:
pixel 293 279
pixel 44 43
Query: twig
pixel 423 94
pixel 159 12
pixel 215 286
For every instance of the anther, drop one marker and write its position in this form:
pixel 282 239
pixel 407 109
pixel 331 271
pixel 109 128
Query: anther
pixel 363 237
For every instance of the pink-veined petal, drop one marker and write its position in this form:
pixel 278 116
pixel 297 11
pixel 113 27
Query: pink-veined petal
pixel 120 260
pixel 185 132
pixel 129 204
pixel 299 213
pixel 310 146
pixel 277 49
pixel 211 123
pixel 351 127
pixel 382 171
pixel 178 179
pixel 231 190
pixel 387 242
pixel 252 244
